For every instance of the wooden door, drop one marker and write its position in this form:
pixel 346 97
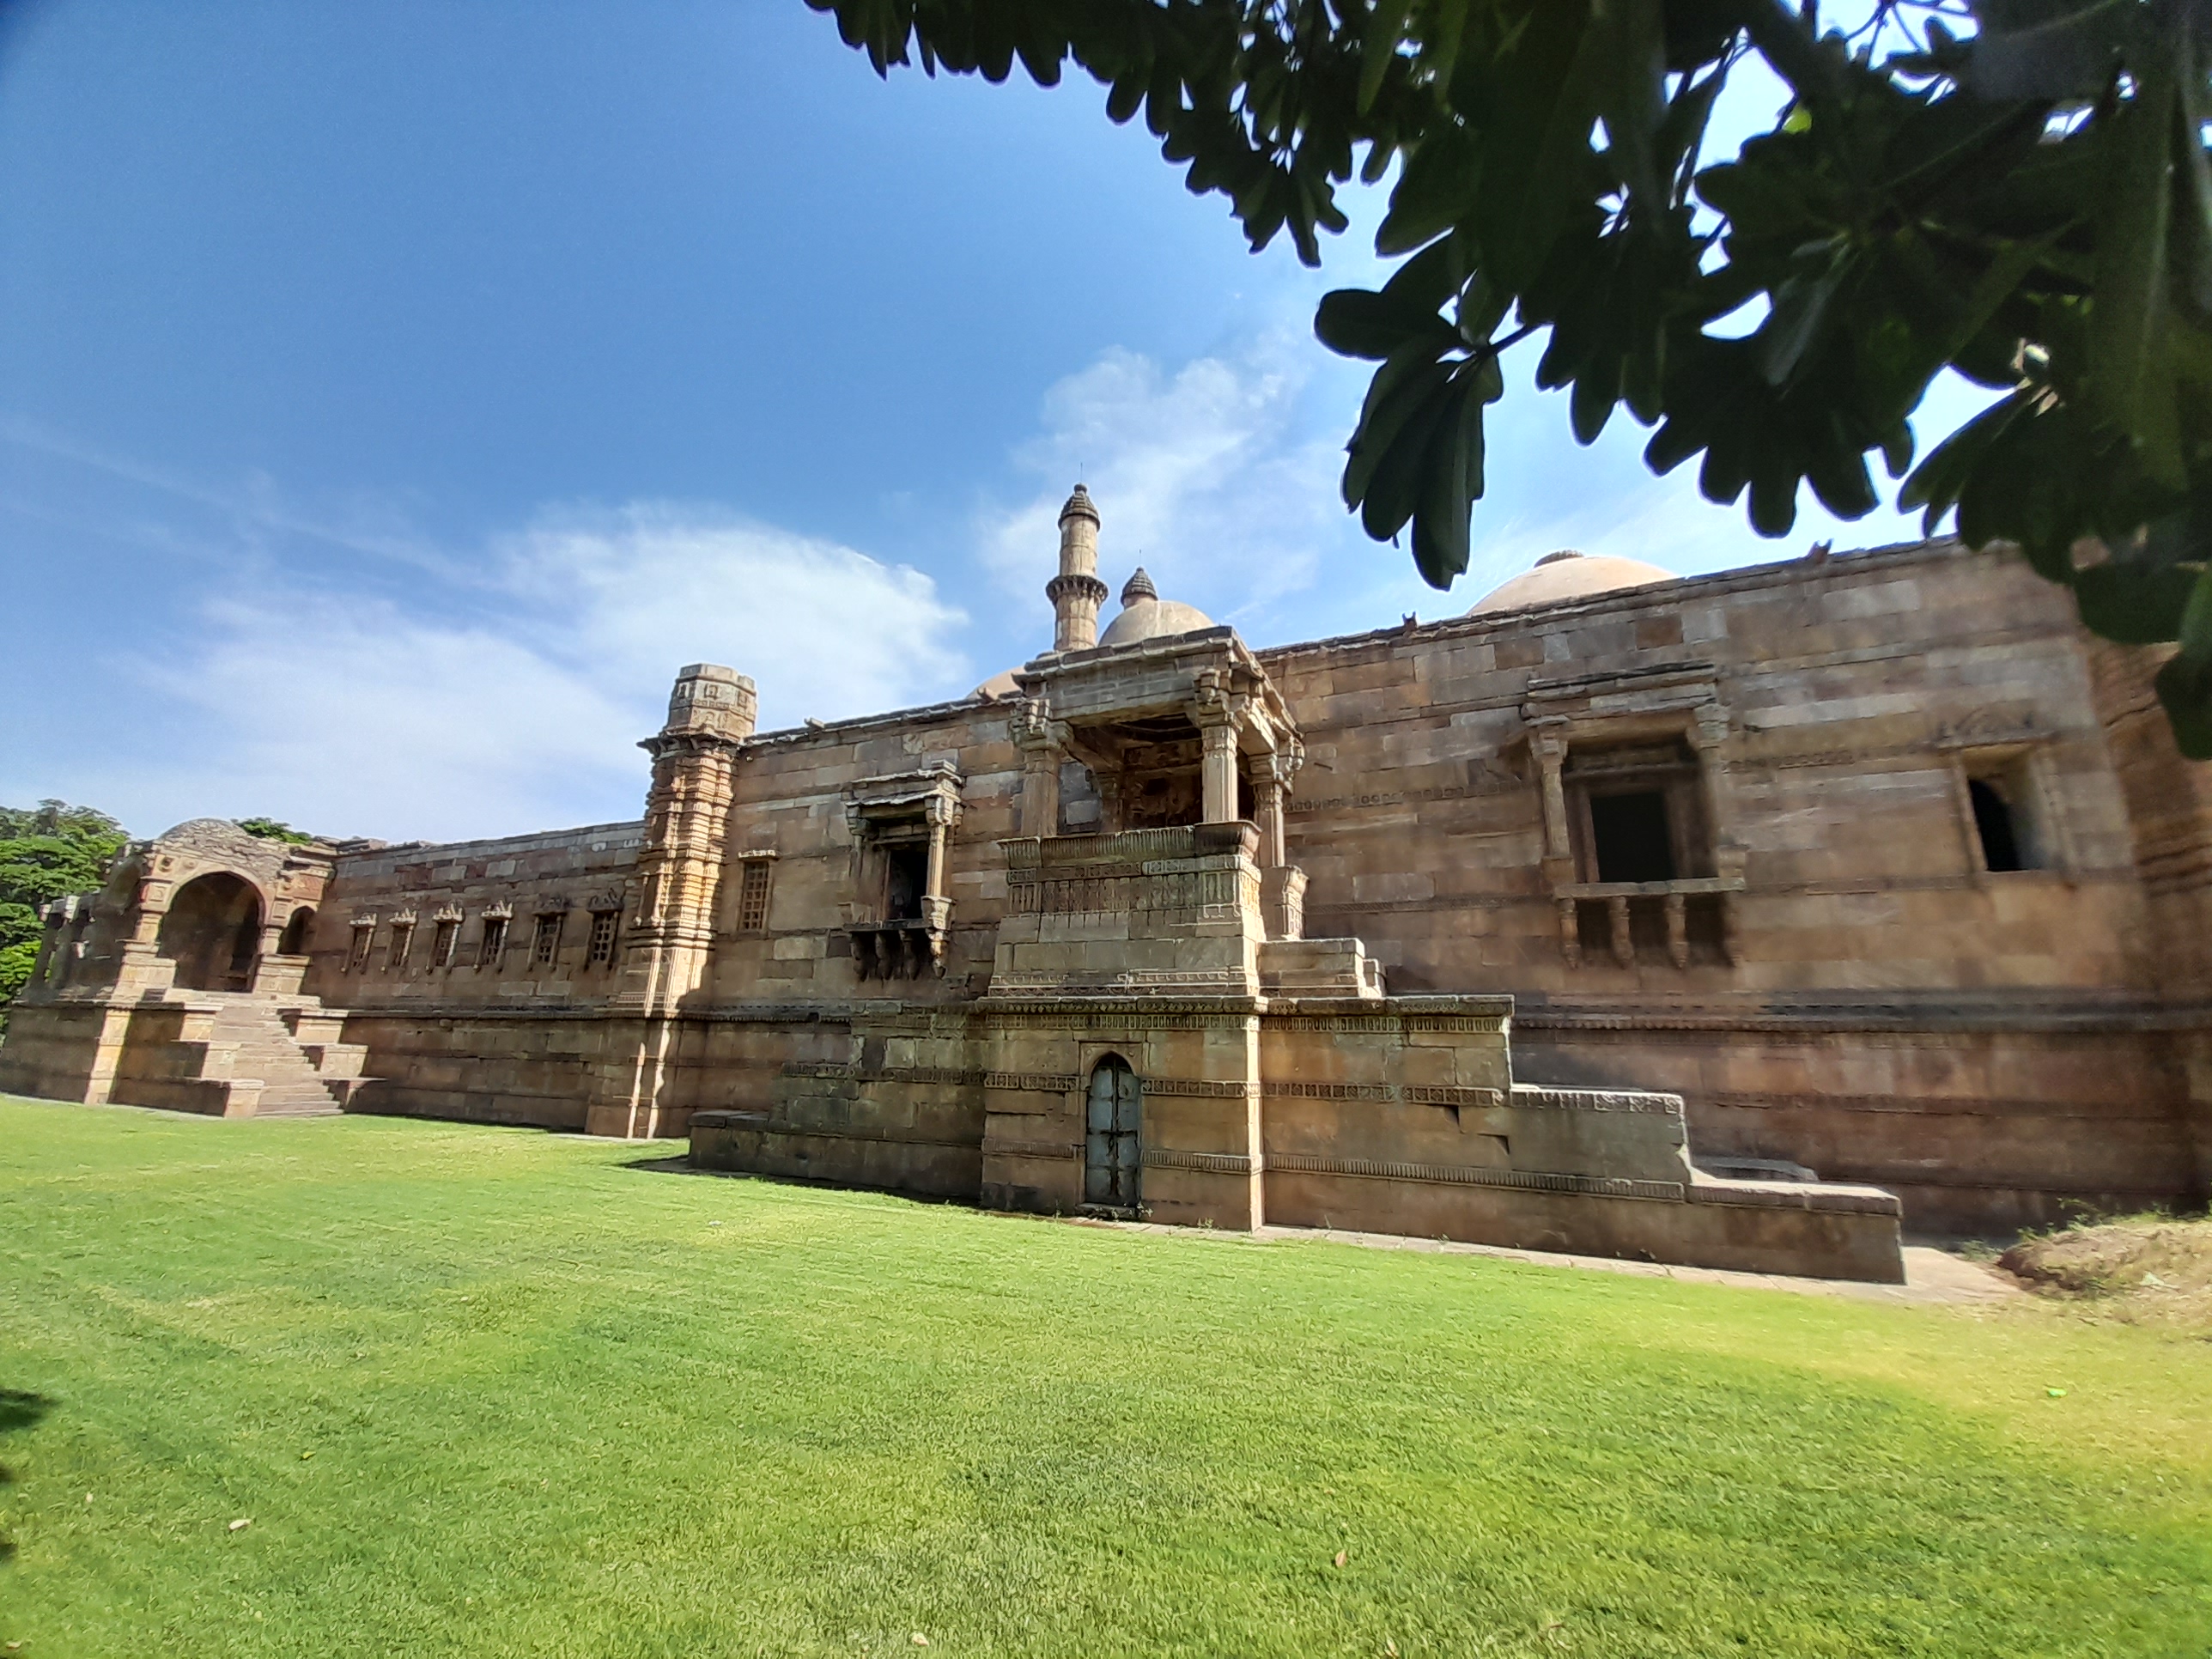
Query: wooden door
pixel 1111 1156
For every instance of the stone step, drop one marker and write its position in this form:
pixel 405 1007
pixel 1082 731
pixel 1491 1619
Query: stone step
pixel 265 1047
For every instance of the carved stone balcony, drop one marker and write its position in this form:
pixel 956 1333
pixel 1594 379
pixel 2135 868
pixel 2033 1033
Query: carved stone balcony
pixel 1667 916
pixel 902 950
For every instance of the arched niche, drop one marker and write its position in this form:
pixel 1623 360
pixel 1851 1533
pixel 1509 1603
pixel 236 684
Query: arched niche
pixel 212 932
pixel 298 932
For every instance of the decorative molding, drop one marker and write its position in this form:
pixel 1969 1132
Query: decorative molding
pixel 1169 1157
pixel 1034 1083
pixel 1197 1088
pixel 1540 1096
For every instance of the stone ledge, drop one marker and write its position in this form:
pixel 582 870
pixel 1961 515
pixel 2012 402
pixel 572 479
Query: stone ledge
pixel 1794 1196
pixel 1467 1176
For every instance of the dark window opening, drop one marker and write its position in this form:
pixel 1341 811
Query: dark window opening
pixel 402 935
pixel 546 944
pixel 1630 835
pixel 1993 822
pixel 364 941
pixel 443 942
pixel 906 881
pixel 495 940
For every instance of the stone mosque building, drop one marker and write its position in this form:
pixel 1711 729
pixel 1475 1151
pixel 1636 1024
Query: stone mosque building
pixel 1733 919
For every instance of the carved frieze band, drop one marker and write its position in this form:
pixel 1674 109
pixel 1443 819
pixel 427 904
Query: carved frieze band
pixel 1387 1022
pixel 1167 1157
pixel 1172 893
pixel 1540 1098
pixel 1416 1094
pixel 1454 1174
pixel 1036 1083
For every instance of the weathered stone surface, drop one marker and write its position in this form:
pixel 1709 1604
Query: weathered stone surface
pixel 1723 839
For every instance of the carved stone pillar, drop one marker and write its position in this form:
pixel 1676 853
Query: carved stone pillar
pixel 1109 782
pixel 1218 777
pixel 1549 746
pixel 1215 711
pixel 1043 743
pixel 1709 736
pixel 1624 939
pixel 1270 776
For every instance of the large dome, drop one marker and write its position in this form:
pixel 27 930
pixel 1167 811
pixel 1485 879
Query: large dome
pixel 1146 616
pixel 1566 575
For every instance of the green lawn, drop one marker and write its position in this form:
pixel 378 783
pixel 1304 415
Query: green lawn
pixel 484 1391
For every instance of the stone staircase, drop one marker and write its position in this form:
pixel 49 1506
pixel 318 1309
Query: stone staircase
pixel 238 1054
pixel 294 1079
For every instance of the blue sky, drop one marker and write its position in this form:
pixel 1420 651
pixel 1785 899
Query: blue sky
pixel 392 397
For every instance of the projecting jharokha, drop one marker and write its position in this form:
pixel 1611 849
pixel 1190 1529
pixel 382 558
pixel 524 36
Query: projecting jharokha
pixel 1723 920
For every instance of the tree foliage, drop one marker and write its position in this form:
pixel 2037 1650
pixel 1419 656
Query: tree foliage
pixel 2017 190
pixel 47 852
pixel 275 830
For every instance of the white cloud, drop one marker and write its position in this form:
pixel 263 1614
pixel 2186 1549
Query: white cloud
pixel 519 707
pixel 823 631
pixel 1212 477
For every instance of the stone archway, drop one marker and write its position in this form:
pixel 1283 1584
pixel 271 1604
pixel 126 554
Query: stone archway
pixel 298 932
pixel 212 932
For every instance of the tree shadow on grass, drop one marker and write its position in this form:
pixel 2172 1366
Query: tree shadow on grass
pixel 18 1410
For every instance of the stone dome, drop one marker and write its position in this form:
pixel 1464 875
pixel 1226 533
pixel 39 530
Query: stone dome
pixel 1146 616
pixel 1567 575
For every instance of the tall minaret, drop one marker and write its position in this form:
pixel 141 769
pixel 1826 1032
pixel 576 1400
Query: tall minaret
pixel 1076 593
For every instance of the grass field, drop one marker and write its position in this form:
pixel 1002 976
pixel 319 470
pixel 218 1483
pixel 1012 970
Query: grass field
pixel 482 1391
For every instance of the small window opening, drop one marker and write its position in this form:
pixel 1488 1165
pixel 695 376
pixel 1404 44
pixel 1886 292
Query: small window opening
pixel 2002 826
pixel 906 879
pixel 1630 834
pixel 402 936
pixel 443 942
pixel 495 941
pixel 364 941
pixel 546 944
pixel 752 896
pixel 602 947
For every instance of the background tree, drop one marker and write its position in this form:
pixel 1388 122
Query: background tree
pixel 46 851
pixel 275 830
pixel 2017 190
